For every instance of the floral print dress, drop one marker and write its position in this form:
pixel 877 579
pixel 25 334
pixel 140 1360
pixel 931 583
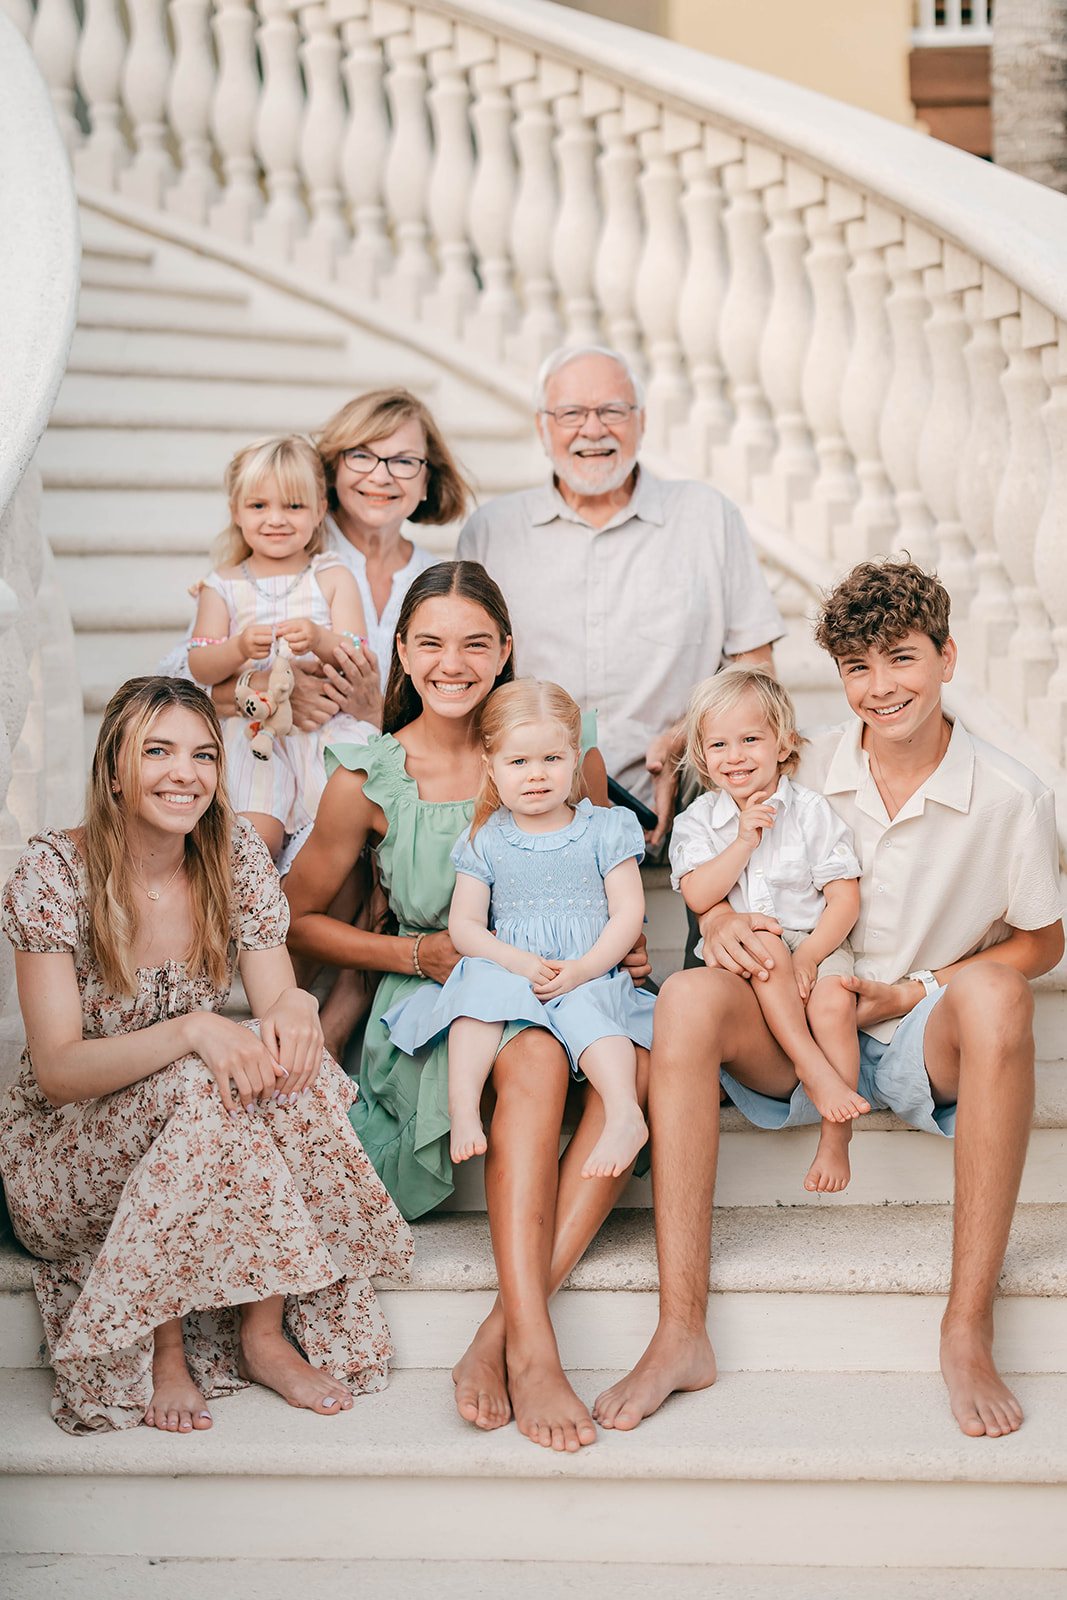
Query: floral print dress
pixel 152 1203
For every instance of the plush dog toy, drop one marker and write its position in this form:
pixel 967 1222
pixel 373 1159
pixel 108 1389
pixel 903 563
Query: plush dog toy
pixel 271 714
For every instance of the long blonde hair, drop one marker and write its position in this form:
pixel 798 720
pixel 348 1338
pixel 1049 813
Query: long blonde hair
pixel 294 464
pixel 115 792
pixel 514 705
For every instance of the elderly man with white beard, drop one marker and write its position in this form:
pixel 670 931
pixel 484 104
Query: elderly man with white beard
pixel 624 588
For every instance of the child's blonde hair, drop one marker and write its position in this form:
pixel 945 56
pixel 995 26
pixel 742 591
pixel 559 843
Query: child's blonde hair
pixel 294 464
pixel 512 706
pixel 724 691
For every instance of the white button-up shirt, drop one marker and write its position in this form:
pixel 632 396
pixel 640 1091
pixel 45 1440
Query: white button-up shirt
pixel 808 847
pixel 630 616
pixel 972 855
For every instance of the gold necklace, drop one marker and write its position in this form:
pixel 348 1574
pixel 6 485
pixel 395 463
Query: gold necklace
pixel 154 894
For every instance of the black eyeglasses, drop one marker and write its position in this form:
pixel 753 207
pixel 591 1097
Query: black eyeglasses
pixel 573 416
pixel 363 461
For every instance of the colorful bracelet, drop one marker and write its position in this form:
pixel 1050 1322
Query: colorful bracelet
pixel 356 638
pixel 195 644
pixel 419 937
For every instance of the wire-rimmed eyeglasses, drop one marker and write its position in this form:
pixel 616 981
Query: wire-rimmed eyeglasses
pixel 362 461
pixel 611 415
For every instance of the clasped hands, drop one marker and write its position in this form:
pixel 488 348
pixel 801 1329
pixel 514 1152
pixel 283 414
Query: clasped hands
pixel 281 1064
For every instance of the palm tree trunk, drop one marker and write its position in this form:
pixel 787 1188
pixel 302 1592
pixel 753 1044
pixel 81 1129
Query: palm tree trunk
pixel 1029 89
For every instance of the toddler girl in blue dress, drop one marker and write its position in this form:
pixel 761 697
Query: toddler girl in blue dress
pixel 548 900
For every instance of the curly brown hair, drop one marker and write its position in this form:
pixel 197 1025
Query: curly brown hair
pixel 878 603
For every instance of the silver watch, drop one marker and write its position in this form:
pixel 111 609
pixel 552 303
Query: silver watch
pixel 926 978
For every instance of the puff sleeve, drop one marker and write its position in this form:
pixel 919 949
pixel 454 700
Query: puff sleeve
pixel 41 901
pixel 471 857
pixel 619 838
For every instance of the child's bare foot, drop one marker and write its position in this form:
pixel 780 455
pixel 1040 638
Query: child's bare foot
pixel 480 1377
pixel 547 1409
pixel 468 1135
pixel 981 1401
pixel 269 1359
pixel 176 1404
pixel 830 1171
pixel 830 1094
pixel 618 1145
pixel 676 1360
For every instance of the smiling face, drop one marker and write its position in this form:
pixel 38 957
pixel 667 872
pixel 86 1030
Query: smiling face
pixel 742 750
pixel 274 526
pixel 376 502
pixel 533 769
pixel 896 692
pixel 591 458
pixel 452 654
pixel 177 770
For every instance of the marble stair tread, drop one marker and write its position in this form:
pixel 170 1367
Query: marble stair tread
pixel 798 1426
pixel 141 1578
pixel 756 1250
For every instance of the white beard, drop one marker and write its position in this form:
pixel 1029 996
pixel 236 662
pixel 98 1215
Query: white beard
pixel 602 476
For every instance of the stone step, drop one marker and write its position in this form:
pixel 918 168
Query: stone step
pixel 110 289
pixel 301 359
pixel 142 1578
pixel 800 1468
pixel 791 1290
pixel 133 522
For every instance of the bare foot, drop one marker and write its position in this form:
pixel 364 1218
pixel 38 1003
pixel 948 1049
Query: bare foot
pixel 269 1359
pixel 830 1171
pixel 618 1145
pixel 468 1135
pixel 176 1404
pixel 676 1360
pixel 480 1377
pixel 547 1409
pixel 981 1401
pixel 831 1095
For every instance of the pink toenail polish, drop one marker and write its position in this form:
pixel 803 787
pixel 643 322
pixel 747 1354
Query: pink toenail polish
pixel 327 1403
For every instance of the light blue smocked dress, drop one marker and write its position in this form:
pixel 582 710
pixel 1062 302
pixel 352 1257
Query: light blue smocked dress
pixel 547 895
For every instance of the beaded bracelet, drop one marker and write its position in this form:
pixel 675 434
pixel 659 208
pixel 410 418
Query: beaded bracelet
pixel 356 638
pixel 419 937
pixel 195 644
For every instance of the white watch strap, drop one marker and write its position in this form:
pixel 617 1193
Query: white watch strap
pixel 926 978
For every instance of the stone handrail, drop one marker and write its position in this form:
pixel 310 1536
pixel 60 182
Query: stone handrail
pixel 40 722
pixel 953 23
pixel 856 331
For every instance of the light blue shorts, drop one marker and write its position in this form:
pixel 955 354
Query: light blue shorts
pixel 892 1077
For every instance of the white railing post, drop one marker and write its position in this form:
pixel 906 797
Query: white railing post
pixel 1047 715
pixel 533 218
pixel 320 143
pixel 907 399
pixel 189 104
pixel 661 270
pixel 363 158
pixel 750 448
pixel 618 251
pixel 54 38
pixel 943 437
pixel 451 176
pixel 407 166
pixel 233 120
pixel 278 118
pixel 492 201
pixel 99 70
pixel 145 76
pixel 577 228
pixel 700 303
pixel 784 347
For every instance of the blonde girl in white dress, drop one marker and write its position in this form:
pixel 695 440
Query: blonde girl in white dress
pixel 273 582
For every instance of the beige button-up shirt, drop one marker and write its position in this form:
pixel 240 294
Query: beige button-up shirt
pixel 630 616
pixel 972 855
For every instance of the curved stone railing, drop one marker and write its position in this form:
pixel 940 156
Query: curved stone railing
pixel 853 329
pixel 41 760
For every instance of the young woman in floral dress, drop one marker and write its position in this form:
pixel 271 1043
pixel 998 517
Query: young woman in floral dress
pixel 186 1181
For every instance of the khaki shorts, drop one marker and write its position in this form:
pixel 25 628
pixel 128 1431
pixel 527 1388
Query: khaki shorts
pixel 840 963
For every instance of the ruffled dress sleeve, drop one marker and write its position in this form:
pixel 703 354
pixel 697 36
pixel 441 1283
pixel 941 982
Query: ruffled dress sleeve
pixel 619 838
pixel 469 856
pixel 42 899
pixel 261 910
pixel 381 758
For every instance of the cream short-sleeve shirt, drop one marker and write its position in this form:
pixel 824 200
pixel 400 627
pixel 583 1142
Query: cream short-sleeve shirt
pixel 972 855
pixel 628 617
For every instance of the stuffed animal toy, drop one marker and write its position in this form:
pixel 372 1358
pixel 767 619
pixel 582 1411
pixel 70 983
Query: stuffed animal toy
pixel 271 714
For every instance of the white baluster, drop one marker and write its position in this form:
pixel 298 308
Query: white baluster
pixel 192 88
pixel 451 175
pixel 871 529
pixel 577 229
pixel 1047 716
pixel 699 311
pixel 54 36
pixel 750 448
pixel 1022 676
pixel 906 404
pixel 407 171
pixel 20 12
pixel 835 490
pixel 320 143
pixel 491 203
pixel 532 224
pixel 363 158
pixel 619 251
pixel 145 79
pixel 784 345
pixel 233 120
pixel 942 438
pixel 99 69
pixel 278 119
pixel 981 468
pixel 658 287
